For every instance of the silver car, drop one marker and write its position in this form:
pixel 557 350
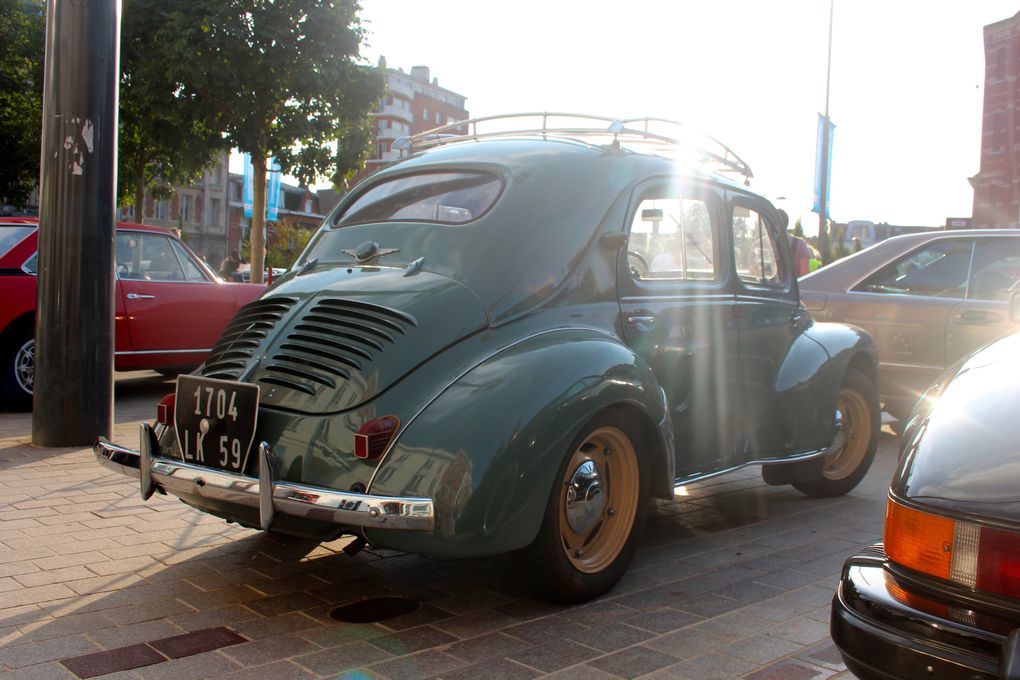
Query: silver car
pixel 927 300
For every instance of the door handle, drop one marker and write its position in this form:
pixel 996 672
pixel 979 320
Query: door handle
pixel 140 296
pixel 977 317
pixel 797 316
pixel 640 319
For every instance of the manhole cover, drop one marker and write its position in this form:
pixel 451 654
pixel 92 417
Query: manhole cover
pixel 374 609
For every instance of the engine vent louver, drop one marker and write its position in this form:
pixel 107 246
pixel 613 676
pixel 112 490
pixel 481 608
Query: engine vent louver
pixel 331 342
pixel 244 335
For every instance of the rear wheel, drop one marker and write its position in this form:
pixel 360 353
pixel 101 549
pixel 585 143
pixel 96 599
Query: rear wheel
pixel 850 455
pixel 593 516
pixel 18 372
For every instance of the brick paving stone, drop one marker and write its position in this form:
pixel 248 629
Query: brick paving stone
pixel 475 623
pixel 545 629
pixel 422 665
pixel 489 646
pixel 555 655
pixel 189 668
pixel 337 634
pixel 500 669
pixel 610 638
pixel 686 643
pixel 711 666
pixel 197 642
pixel 263 651
pixel 121 636
pixel 280 670
pixel 111 661
pixel 339 659
pixel 762 648
pixel 633 662
pixel 27 654
pixel 412 640
pixel 789 669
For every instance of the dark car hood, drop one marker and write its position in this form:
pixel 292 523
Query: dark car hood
pixel 333 339
pixel 965 456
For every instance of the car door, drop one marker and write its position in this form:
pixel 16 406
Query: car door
pixel 172 309
pixel 906 306
pixel 771 407
pixel 677 313
pixel 983 316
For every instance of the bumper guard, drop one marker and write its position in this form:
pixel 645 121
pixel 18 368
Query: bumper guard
pixel 270 496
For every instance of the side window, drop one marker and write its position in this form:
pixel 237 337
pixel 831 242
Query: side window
pixel 996 269
pixel 192 272
pixel 754 249
pixel 672 238
pixel 156 260
pixel 938 270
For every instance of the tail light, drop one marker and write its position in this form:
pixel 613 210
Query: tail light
pixel 962 552
pixel 165 409
pixel 374 436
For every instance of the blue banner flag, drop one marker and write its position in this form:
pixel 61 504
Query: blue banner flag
pixel 818 164
pixel 247 185
pixel 273 193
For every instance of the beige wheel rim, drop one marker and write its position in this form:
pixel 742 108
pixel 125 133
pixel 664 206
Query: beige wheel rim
pixel 851 444
pixel 598 499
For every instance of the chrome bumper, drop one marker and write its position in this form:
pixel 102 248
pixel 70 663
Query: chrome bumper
pixel 270 496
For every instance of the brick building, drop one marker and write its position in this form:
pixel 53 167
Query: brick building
pixel 997 184
pixel 412 104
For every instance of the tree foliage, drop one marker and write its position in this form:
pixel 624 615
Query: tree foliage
pixel 22 44
pixel 166 135
pixel 283 78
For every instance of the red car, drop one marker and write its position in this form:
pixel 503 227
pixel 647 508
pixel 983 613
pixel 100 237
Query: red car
pixel 170 307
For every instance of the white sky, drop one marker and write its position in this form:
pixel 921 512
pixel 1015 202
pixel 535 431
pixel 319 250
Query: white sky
pixel 906 87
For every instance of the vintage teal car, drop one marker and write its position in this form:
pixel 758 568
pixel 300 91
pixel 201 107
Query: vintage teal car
pixel 510 341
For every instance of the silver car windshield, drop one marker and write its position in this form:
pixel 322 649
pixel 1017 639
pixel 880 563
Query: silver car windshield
pixel 13 234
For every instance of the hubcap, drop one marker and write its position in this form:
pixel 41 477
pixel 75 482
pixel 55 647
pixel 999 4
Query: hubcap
pixel 853 426
pixel 585 500
pixel 24 366
pixel 599 499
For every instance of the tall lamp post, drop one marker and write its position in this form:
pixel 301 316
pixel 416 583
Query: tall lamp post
pixel 823 180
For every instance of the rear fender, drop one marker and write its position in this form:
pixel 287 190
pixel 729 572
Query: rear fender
pixel 488 448
pixel 812 379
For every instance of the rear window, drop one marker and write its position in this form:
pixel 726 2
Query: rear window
pixel 13 234
pixel 443 197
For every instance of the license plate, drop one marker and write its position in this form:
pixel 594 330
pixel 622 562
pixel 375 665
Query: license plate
pixel 215 421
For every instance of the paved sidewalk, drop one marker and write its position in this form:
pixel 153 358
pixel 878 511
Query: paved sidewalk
pixel 733 580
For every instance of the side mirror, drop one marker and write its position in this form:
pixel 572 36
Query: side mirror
pixel 614 240
pixel 1014 306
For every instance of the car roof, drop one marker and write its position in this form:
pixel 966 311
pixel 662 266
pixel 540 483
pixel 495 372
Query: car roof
pixel 121 226
pixel 847 272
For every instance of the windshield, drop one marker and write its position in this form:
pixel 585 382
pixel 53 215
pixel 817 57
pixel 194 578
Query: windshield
pixel 13 234
pixel 443 197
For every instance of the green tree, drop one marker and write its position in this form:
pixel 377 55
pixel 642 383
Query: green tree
pixel 166 136
pixel 284 79
pixel 798 228
pixel 22 44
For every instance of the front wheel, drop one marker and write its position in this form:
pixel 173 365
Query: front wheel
pixel 594 514
pixel 851 454
pixel 17 374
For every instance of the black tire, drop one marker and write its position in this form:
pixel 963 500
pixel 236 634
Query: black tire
pixel 851 455
pixel 585 544
pixel 17 372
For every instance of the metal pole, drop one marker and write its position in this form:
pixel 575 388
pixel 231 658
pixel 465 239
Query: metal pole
pixel 823 208
pixel 73 385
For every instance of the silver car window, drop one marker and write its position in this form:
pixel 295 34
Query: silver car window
pixel 996 269
pixel 939 269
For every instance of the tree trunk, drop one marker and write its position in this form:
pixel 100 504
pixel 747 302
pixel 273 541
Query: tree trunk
pixel 258 218
pixel 140 193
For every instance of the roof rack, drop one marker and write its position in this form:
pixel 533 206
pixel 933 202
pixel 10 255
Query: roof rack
pixel 648 135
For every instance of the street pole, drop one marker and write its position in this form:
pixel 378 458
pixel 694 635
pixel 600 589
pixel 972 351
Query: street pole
pixel 73 375
pixel 823 208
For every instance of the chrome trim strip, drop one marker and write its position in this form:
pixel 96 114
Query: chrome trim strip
pixel 149 445
pixel 287 498
pixel 698 477
pixel 162 351
pixel 267 511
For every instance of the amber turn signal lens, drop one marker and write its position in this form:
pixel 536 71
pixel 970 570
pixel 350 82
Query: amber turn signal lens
pixel 918 540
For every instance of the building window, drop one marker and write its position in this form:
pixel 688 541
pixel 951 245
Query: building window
pixel 439 118
pixel 214 211
pixel 162 210
pixel 187 211
pixel 424 114
pixel 308 205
